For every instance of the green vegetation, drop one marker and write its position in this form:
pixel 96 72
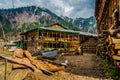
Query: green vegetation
pixel 109 70
pixel 29 26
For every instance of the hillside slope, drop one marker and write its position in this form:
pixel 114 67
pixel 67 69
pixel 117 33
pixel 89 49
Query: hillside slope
pixel 22 19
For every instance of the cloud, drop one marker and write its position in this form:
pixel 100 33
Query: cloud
pixel 0 4
pixel 70 8
pixel 62 7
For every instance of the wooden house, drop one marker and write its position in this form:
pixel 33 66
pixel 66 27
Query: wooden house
pixel 51 37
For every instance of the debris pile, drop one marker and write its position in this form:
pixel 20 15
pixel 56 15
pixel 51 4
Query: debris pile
pixel 17 67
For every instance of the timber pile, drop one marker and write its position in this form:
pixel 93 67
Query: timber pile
pixel 114 43
pixel 101 48
pixel 109 46
pixel 90 45
pixel 18 66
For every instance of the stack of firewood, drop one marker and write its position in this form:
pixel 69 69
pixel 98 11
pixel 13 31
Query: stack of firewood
pixel 101 48
pixel 114 45
pixel 109 46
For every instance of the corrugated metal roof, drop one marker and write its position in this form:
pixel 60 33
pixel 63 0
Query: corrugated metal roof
pixel 64 31
pixel 56 30
pixel 88 34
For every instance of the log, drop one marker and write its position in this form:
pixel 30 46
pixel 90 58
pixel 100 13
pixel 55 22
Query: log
pixel 15 65
pixel 35 65
pixel 18 74
pixel 116 57
pixel 112 53
pixel 114 62
pixel 18 53
pixel 118 52
pixel 105 31
pixel 118 35
pixel 26 63
pixel 115 40
pixel 50 67
pixel 117 46
pixel 113 32
pixel 110 40
pixel 100 35
pixel 26 59
pixel 19 61
pixel 118 62
pixel 47 60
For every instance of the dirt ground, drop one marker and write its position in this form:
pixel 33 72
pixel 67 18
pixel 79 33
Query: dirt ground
pixel 85 67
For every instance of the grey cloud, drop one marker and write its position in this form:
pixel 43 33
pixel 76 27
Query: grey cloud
pixel 70 8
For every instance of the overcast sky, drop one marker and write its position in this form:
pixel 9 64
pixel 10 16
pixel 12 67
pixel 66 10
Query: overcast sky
pixel 70 8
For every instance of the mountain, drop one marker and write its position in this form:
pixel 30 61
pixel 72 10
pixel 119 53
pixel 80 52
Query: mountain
pixel 83 24
pixel 14 21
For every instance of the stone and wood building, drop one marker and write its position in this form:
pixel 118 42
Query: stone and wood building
pixel 54 37
pixel 50 37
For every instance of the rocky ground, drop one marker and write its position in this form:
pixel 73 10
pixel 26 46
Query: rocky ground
pixel 86 67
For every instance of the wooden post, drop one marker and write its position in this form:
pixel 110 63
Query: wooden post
pixel 52 40
pixel 56 40
pixel 60 41
pixel 5 69
pixel 41 41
